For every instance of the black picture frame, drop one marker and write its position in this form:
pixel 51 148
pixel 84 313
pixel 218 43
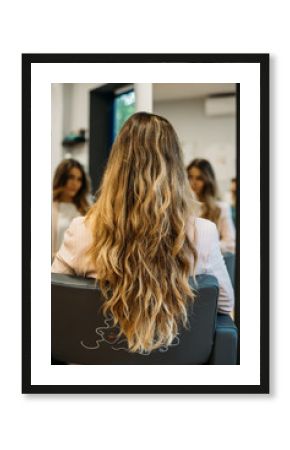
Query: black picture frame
pixel 263 61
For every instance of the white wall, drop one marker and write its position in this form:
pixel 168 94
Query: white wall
pixel 144 96
pixel 212 138
pixel 56 125
pixel 70 113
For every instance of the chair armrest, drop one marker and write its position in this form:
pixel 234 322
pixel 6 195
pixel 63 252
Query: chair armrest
pixel 224 350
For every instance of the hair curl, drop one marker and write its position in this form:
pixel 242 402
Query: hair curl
pixel 140 249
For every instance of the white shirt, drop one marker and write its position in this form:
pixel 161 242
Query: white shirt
pixel 211 261
pixel 62 215
pixel 226 229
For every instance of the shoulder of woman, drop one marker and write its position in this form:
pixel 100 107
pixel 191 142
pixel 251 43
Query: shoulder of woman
pixel 54 205
pixel 201 231
pixel 206 239
pixel 80 234
pixel 79 225
pixel 222 204
pixel 224 207
pixel 205 227
pixel 205 234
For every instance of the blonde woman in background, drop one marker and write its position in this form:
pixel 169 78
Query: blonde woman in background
pixel 203 182
pixel 141 239
pixel 71 187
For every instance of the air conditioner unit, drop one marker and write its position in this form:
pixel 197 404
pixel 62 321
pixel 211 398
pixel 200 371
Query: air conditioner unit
pixel 220 105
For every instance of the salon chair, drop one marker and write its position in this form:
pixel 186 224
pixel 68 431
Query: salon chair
pixel 230 262
pixel 81 335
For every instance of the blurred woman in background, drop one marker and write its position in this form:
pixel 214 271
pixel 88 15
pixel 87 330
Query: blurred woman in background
pixel 202 180
pixel 141 239
pixel 233 199
pixel 71 188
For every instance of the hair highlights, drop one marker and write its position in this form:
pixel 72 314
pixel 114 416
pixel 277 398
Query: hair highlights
pixel 140 248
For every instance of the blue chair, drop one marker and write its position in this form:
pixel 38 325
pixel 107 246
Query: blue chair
pixel 230 261
pixel 81 335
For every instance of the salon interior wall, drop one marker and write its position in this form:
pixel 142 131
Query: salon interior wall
pixel 143 97
pixel 70 113
pixel 212 138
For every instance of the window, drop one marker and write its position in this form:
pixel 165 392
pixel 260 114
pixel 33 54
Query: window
pixel 124 107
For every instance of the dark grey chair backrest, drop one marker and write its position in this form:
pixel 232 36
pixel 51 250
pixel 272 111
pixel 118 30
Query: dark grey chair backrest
pixel 81 335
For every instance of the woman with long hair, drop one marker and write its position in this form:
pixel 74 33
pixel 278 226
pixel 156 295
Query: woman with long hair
pixel 71 187
pixel 141 239
pixel 202 180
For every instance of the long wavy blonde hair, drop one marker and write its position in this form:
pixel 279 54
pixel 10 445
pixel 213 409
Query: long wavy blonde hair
pixel 140 248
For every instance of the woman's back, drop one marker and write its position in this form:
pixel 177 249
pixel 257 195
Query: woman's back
pixel 139 238
pixel 73 256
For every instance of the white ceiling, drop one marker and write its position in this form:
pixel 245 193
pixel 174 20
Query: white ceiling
pixel 178 91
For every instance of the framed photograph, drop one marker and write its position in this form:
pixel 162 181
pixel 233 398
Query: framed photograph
pixel 76 111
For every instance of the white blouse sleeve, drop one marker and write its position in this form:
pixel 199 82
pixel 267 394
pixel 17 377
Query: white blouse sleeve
pixel 226 230
pixel 215 265
pixel 64 259
pixel 54 216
